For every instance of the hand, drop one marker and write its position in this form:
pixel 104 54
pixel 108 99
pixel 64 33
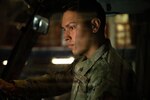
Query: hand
pixel 6 86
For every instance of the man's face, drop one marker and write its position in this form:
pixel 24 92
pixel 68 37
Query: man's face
pixel 76 33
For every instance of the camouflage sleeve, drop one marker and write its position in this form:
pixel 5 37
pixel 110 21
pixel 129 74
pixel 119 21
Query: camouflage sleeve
pixel 51 84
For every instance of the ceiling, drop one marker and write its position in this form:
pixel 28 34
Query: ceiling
pixel 125 6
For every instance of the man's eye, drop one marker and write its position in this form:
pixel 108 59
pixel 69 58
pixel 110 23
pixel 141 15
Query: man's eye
pixel 63 30
pixel 72 27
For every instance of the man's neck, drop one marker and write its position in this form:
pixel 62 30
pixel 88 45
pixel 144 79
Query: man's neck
pixel 91 51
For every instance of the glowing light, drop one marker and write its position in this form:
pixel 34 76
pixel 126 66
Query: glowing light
pixel 5 62
pixel 120 27
pixel 40 24
pixel 63 60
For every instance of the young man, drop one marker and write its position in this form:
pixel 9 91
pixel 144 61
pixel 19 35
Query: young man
pixel 99 73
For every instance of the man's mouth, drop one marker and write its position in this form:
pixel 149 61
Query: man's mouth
pixel 70 46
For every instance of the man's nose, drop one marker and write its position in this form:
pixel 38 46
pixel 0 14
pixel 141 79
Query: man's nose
pixel 67 36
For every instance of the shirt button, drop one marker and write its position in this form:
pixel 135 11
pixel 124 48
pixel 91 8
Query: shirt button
pixel 81 69
pixel 93 89
pixel 78 81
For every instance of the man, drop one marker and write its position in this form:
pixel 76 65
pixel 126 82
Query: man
pixel 98 73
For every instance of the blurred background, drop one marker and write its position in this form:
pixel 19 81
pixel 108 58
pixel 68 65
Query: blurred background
pixel 128 27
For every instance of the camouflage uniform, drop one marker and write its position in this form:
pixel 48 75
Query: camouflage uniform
pixel 102 76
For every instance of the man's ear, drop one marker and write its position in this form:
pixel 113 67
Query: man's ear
pixel 95 22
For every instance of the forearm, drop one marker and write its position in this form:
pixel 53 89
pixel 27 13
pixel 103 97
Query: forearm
pixel 43 86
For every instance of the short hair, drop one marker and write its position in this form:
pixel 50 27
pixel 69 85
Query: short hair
pixel 87 6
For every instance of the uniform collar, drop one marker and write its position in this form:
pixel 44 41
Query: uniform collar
pixel 86 65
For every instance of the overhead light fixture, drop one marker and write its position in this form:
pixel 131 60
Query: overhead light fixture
pixel 68 60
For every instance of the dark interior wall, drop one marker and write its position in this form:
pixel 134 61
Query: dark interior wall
pixel 13 14
pixel 3 19
pixel 141 30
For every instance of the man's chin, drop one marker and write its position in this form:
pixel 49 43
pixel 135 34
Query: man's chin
pixel 76 53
